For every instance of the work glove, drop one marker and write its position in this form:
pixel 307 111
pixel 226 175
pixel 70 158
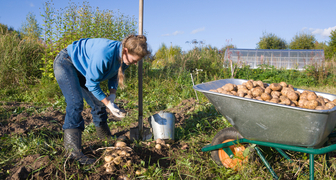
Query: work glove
pixel 113 107
pixel 111 97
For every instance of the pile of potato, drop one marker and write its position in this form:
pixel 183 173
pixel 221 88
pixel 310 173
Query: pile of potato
pixel 119 155
pixel 280 93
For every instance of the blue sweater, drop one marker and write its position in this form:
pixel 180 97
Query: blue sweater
pixel 98 60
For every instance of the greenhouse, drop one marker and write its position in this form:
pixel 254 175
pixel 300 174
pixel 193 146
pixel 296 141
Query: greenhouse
pixel 288 59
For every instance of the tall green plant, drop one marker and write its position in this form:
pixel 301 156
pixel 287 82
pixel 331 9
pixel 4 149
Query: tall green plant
pixel 19 60
pixel 48 37
pixel 64 26
pixel 30 28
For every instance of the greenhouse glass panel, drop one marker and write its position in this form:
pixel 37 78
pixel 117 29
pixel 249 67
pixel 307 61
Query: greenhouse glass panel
pixel 287 59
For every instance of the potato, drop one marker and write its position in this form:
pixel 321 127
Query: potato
pixel 221 90
pixel 138 172
pixel 257 91
pixel 259 98
pixel 276 93
pixel 283 98
pixel 260 83
pixel 109 169
pixel 330 105
pixel 158 146
pixel 266 96
pixel 234 93
pixel 228 93
pixel 296 103
pixel 321 108
pixel 241 87
pixel 283 84
pixel 285 101
pixel 248 96
pixel 117 160
pixel 302 102
pixel 275 100
pixel 254 83
pixel 334 101
pixel 244 90
pixel 120 144
pixel 160 141
pixel 275 87
pixel 281 93
pixel 312 104
pixel 129 162
pixel 321 101
pixel 230 87
pixel 285 90
pixel 122 177
pixel 122 153
pixel 311 96
pixel 268 90
pixel 108 158
pixel 298 93
pixel 304 95
pixel 292 95
pixel 249 85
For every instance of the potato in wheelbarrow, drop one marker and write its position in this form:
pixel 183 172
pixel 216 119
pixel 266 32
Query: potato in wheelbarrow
pixel 277 120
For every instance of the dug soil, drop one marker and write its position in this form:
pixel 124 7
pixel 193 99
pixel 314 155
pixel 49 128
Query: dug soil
pixel 49 121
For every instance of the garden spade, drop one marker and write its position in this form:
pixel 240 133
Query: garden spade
pixel 140 132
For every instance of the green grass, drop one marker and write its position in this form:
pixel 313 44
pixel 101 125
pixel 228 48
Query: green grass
pixel 162 89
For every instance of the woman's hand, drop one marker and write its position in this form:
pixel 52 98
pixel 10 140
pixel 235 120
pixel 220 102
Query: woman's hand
pixel 109 103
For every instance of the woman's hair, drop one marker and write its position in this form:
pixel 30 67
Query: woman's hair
pixel 136 45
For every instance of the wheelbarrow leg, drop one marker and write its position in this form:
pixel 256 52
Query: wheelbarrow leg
pixel 284 154
pixel 266 163
pixel 311 166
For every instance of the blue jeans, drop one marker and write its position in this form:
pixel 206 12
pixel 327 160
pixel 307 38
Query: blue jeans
pixel 72 84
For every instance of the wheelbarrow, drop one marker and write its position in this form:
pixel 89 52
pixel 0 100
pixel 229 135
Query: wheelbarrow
pixel 267 124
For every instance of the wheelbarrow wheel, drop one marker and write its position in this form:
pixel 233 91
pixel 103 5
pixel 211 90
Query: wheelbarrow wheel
pixel 221 157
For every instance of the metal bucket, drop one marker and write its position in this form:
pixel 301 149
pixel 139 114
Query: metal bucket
pixel 163 125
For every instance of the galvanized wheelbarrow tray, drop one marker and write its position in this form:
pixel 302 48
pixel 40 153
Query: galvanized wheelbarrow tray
pixel 273 125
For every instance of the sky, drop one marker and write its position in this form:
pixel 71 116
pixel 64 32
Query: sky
pixel 214 22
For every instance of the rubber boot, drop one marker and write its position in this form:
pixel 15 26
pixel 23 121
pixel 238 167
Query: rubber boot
pixel 103 132
pixel 73 146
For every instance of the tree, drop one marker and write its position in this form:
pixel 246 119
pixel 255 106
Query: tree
pixel 303 41
pixel 271 41
pixel 30 28
pixel 331 51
